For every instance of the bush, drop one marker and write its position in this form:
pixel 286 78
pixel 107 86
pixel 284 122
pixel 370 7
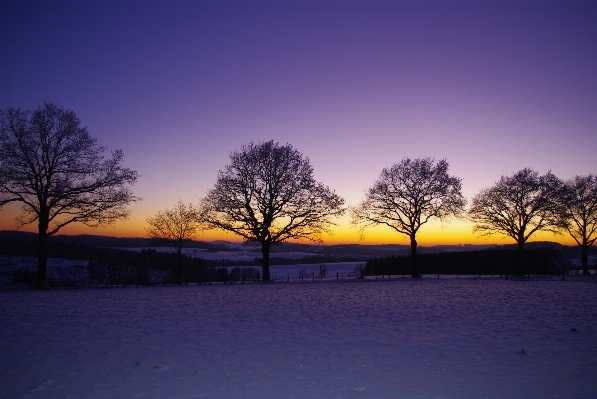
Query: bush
pixel 323 271
pixel 537 261
pixel 303 273
pixel 359 271
pixel 244 274
pixel 25 276
pixel 111 269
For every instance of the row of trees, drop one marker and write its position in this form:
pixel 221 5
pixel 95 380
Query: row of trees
pixel 538 260
pixel 111 266
pixel 57 172
pixel 267 194
pixel 117 267
pixel 520 205
pixel 411 193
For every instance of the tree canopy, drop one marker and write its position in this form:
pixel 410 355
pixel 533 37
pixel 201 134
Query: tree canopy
pixel 579 213
pixel 268 194
pixel 408 195
pixel 174 227
pixel 517 206
pixel 55 169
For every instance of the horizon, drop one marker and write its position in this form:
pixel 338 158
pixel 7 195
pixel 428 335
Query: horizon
pixel 220 241
pixel 355 86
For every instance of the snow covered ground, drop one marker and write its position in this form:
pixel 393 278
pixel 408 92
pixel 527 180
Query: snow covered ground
pixel 429 338
pixel 344 270
pixel 63 270
pixel 237 252
pixel 57 270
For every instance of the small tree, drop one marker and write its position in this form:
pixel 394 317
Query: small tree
pixel 579 213
pixel 359 271
pixel 323 271
pixel 174 227
pixel 517 206
pixel 303 273
pixel 57 172
pixel 407 196
pixel 268 194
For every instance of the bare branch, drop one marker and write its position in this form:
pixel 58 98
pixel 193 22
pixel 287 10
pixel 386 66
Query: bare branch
pixel 408 195
pixel 175 226
pixel 268 194
pixel 57 171
pixel 517 206
pixel 578 212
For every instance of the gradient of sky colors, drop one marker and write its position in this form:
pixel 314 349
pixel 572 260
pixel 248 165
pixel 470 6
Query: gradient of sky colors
pixel 356 86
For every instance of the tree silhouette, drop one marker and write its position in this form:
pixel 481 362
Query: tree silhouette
pixel 268 194
pixel 407 196
pixel 57 172
pixel 174 227
pixel 579 213
pixel 517 206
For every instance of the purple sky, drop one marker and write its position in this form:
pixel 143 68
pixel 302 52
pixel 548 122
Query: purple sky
pixel 493 87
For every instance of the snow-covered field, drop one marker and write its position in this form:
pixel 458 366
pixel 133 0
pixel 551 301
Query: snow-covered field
pixel 237 252
pixel 429 338
pixel 63 270
pixel 57 270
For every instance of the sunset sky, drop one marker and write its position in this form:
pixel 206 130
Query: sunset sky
pixel 356 86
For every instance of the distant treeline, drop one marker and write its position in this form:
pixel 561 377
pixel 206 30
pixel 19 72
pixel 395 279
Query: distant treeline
pixel 28 241
pixel 117 267
pixel 82 247
pixel 108 266
pixel 25 244
pixel 537 261
pixel 289 261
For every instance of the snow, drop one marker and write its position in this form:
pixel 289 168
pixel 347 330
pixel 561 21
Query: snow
pixel 429 338
pixel 282 272
pixel 66 272
pixel 236 253
pixel 591 260
pixel 57 270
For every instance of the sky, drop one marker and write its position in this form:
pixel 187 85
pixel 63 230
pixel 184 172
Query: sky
pixel 356 86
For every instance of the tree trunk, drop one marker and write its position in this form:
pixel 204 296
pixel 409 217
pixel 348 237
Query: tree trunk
pixel 585 260
pixel 42 253
pixel 179 253
pixel 265 263
pixel 519 257
pixel 413 257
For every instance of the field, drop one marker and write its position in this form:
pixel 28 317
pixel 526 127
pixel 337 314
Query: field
pixel 428 338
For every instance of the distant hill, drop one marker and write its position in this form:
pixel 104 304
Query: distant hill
pixel 11 239
pixel 101 241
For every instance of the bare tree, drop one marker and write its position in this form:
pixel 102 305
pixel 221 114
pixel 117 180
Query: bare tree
pixel 57 172
pixel 323 271
pixel 517 206
pixel 175 227
pixel 579 213
pixel 407 196
pixel 303 273
pixel 268 194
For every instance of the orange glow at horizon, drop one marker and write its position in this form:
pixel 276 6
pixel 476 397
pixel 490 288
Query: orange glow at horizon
pixel 453 233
